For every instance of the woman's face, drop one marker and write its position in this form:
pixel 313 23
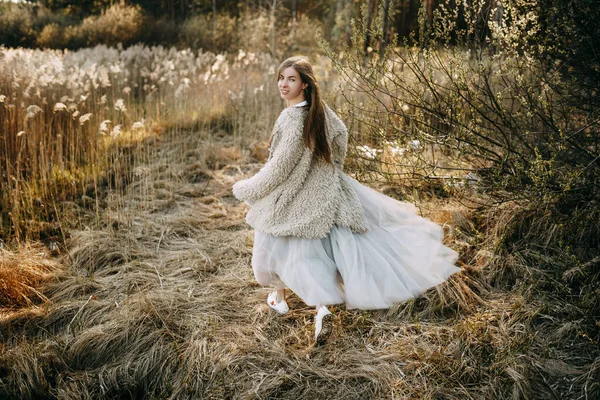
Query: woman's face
pixel 290 86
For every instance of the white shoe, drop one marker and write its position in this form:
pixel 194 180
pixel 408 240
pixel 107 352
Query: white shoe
pixel 323 324
pixel 281 307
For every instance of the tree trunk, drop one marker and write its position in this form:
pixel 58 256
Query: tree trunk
pixel 429 6
pixel 294 11
pixel 339 16
pixel 349 15
pixel 368 18
pixel 385 27
pixel 343 13
pixel 272 28
pixel 404 9
pixel 214 18
pixel 294 19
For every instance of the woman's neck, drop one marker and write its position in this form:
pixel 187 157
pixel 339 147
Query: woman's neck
pixel 297 100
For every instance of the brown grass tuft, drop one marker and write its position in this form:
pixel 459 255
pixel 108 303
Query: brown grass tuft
pixel 22 272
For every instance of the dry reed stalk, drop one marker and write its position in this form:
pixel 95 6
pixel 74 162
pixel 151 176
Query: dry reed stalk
pixel 89 124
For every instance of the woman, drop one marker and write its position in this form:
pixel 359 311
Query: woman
pixel 321 233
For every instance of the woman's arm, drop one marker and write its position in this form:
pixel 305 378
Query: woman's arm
pixel 285 156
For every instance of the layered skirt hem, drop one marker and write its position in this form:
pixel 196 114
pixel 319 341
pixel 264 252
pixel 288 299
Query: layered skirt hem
pixel 399 258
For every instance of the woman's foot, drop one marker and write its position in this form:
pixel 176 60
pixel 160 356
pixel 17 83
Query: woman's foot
pixel 280 306
pixel 323 324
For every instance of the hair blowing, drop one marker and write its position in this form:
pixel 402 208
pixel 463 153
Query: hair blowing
pixel 314 125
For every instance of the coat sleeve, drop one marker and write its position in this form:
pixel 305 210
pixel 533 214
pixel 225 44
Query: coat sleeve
pixel 339 144
pixel 339 137
pixel 278 168
pixel 339 148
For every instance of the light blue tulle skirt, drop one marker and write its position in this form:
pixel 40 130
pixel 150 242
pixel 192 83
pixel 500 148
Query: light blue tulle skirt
pixel 400 257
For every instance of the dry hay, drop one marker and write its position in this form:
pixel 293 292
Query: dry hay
pixel 21 273
pixel 159 302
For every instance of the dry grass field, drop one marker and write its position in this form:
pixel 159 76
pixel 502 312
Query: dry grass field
pixel 161 301
pixel 151 295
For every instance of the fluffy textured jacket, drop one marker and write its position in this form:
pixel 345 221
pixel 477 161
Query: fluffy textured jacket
pixel 295 194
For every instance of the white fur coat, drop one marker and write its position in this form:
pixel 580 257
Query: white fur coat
pixel 294 194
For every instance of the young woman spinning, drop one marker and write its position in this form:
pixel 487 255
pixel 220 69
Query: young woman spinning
pixel 322 234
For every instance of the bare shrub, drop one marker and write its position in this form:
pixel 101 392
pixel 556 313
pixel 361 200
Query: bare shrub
pixel 16 26
pixel 302 35
pixel 491 105
pixel 52 36
pixel 255 32
pixel 120 23
pixel 204 32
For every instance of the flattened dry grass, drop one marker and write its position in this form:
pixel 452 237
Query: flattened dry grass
pixel 159 301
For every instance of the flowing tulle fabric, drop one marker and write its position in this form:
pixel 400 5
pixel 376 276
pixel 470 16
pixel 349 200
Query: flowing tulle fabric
pixel 400 257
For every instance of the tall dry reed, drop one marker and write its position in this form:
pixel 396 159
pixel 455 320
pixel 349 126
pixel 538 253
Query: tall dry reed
pixel 73 124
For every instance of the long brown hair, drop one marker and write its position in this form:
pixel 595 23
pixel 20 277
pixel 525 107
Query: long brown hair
pixel 314 135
